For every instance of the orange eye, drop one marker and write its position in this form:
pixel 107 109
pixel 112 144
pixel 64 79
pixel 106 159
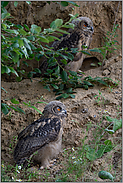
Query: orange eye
pixel 85 25
pixel 58 109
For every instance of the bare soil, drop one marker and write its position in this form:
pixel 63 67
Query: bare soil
pixel 81 110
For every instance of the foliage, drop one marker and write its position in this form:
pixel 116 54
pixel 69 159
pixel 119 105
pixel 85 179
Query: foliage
pixel 80 159
pixel 20 42
pixel 110 44
pixel 32 106
pixel 14 172
pixel 5 108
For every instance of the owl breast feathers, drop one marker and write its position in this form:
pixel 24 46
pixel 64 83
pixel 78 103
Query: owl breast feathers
pixel 42 139
pixel 77 37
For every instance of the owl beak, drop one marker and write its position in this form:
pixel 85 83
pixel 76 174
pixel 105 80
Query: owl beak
pixel 64 112
pixel 92 29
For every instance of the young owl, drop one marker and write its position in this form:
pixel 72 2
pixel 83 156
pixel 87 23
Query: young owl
pixel 79 36
pixel 43 136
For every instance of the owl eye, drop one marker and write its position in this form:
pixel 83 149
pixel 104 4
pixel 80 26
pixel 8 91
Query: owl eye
pixel 85 24
pixel 58 109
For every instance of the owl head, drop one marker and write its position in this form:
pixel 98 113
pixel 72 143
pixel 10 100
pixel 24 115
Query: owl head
pixel 83 23
pixel 56 108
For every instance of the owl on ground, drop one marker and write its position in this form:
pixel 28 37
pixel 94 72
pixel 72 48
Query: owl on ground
pixel 79 36
pixel 41 140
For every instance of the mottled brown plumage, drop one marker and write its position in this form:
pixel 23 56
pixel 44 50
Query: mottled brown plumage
pixel 43 136
pixel 80 35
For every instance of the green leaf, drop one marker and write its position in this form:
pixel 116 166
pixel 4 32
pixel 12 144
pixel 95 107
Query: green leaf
pixel 15 45
pixel 19 78
pixel 30 74
pixel 65 95
pixel 31 38
pixel 12 31
pixel 15 56
pixel 88 83
pixel 44 39
pixel 3 89
pixel 4 108
pixel 13 71
pixel 28 2
pixel 59 97
pixel 47 87
pixel 96 50
pixel 72 96
pixel 52 38
pixel 5 69
pixel 4 3
pixel 85 52
pixel 91 154
pixel 15 3
pixel 73 3
pixel 64 61
pixel 117 124
pixel 72 73
pixel 105 175
pixel 101 81
pixel 35 29
pixel 36 109
pixel 108 145
pixel 26 41
pixel 3 26
pixel 70 56
pixel 37 70
pixel 57 70
pixel 109 131
pixel 20 42
pixel 58 22
pixel 14 101
pixel 63 31
pixel 24 51
pixel 64 76
pixel 26 26
pixel 5 15
pixel 85 86
pixel 31 106
pixel 54 86
pixel 64 3
pixel 20 110
pixel 22 32
pixel 69 26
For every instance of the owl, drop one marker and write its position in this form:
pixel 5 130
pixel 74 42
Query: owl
pixel 77 37
pixel 41 140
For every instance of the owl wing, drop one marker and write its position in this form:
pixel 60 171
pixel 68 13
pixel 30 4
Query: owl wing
pixel 72 40
pixel 35 136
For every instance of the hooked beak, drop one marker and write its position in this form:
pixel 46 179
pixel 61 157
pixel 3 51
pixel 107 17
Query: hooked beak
pixel 92 29
pixel 64 112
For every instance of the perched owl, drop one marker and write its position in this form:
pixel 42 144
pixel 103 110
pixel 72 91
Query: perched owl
pixel 79 36
pixel 42 139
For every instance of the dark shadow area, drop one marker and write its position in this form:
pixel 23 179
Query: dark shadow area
pixel 90 63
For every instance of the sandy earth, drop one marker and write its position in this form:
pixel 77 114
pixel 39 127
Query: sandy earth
pixel 81 110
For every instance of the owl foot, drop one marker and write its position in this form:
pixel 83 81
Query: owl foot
pixel 49 166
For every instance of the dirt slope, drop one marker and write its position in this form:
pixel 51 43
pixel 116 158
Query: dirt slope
pixel 81 110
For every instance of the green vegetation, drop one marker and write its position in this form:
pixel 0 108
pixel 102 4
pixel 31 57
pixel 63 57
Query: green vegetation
pixel 77 160
pixel 19 43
